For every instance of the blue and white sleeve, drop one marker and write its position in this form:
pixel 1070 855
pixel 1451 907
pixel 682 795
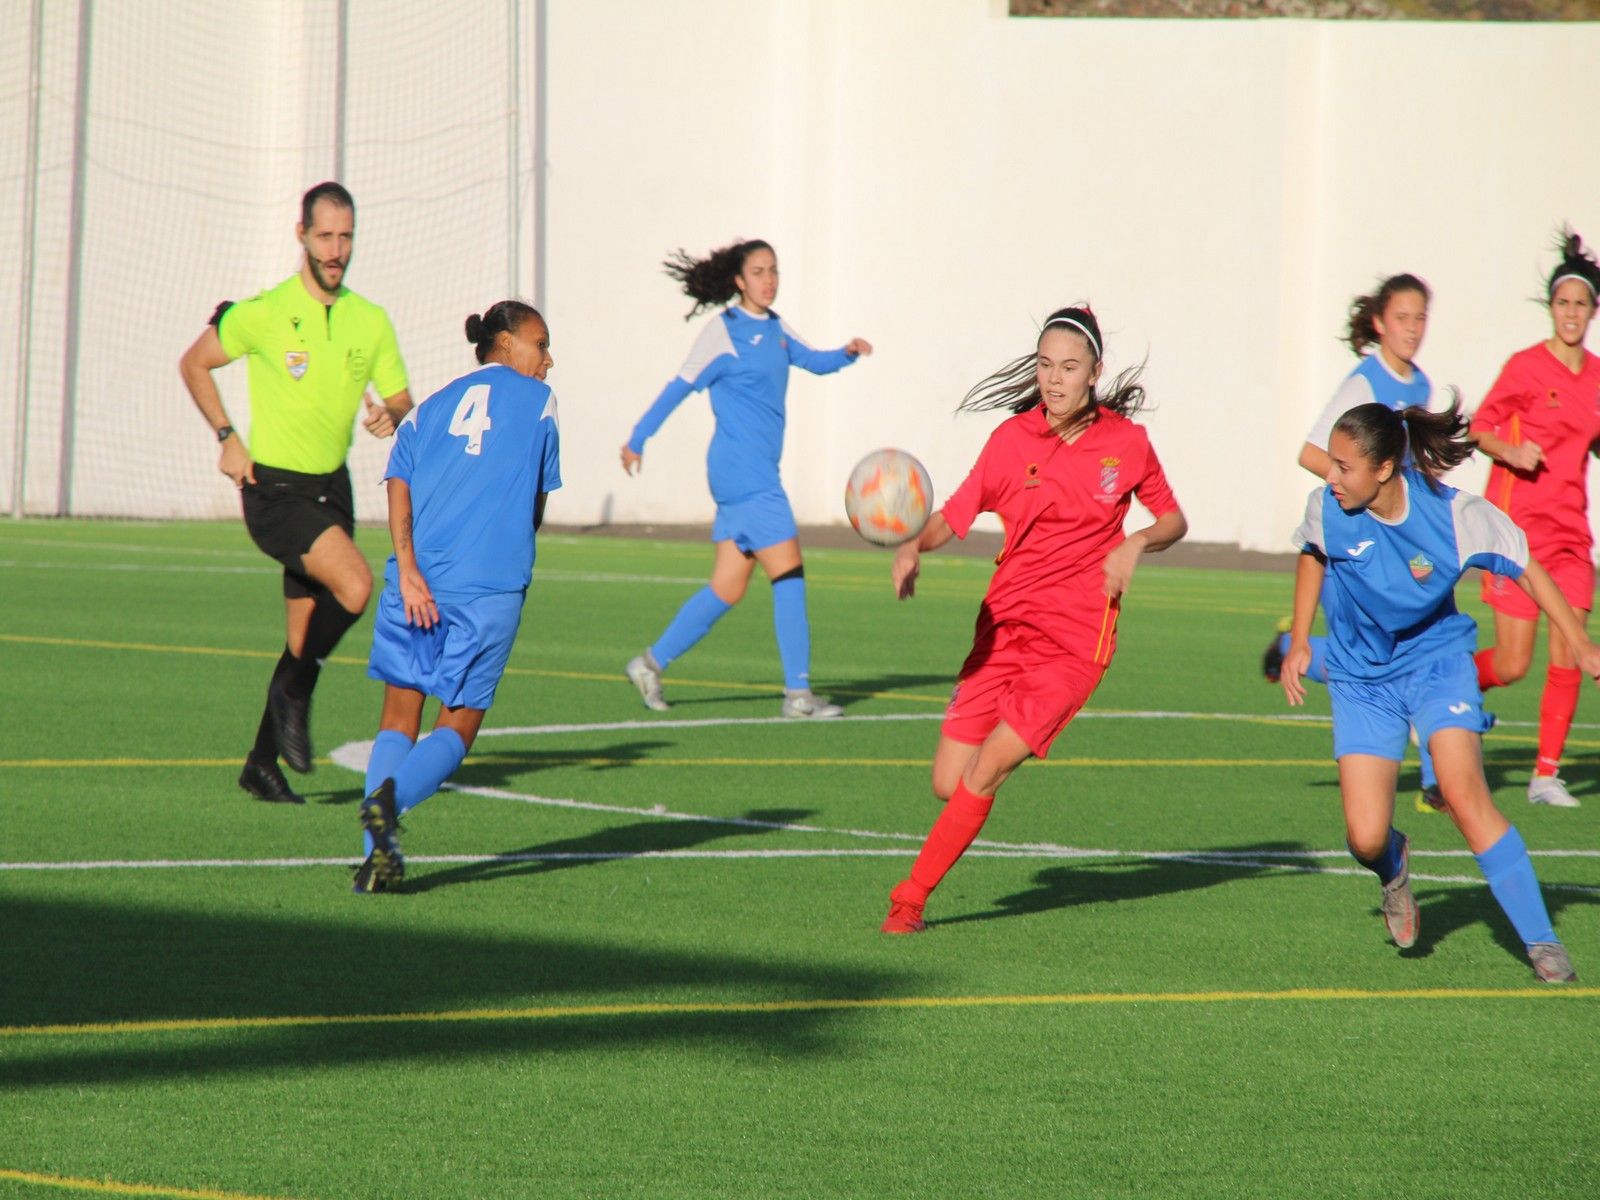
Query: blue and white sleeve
pixel 1487 538
pixel 550 460
pixel 710 355
pixel 1353 392
pixel 818 362
pixel 1308 537
pixel 402 454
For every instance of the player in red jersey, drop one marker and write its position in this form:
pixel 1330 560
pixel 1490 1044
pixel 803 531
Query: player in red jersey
pixel 1061 475
pixel 1539 423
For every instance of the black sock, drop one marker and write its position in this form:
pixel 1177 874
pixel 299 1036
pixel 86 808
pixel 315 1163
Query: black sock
pixel 329 622
pixel 266 748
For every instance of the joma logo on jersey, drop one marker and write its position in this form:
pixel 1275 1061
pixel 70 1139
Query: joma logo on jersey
pixel 1421 568
pixel 296 362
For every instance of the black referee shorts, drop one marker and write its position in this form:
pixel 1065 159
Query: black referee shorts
pixel 286 511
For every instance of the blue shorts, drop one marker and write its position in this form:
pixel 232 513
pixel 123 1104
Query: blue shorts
pixel 1377 718
pixel 460 660
pixel 755 522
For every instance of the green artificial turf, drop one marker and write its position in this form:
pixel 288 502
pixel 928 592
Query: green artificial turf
pixel 670 982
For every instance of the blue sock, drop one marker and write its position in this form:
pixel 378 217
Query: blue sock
pixel 431 761
pixel 389 750
pixel 1318 670
pixel 793 630
pixel 1429 779
pixel 694 620
pixel 1510 874
pixel 1387 865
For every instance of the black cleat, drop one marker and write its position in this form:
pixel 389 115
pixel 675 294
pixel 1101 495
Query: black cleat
pixel 1272 660
pixel 265 781
pixel 382 823
pixel 291 717
pixel 369 880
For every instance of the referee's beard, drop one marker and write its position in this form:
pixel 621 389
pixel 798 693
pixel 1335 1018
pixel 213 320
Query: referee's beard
pixel 322 280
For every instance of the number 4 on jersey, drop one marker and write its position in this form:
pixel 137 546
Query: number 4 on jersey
pixel 472 417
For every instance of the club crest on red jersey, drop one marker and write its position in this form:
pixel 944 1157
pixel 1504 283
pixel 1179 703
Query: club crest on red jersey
pixel 296 362
pixel 1110 477
pixel 1032 474
pixel 1421 568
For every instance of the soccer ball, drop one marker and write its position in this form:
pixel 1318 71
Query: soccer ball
pixel 888 497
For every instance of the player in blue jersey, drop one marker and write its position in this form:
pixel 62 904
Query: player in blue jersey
pixel 743 355
pixel 467 479
pixel 1385 331
pixel 1384 543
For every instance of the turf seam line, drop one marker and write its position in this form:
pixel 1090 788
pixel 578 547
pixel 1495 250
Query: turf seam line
pixel 118 1188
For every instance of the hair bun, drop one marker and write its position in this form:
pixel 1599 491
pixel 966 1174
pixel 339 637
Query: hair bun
pixel 474 328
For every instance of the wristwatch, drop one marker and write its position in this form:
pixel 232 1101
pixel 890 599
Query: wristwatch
pixel 224 433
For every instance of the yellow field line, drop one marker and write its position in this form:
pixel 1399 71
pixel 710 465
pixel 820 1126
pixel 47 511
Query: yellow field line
pixel 767 689
pixel 115 1188
pixel 715 1008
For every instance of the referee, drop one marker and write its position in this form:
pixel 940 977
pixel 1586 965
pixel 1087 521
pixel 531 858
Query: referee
pixel 314 347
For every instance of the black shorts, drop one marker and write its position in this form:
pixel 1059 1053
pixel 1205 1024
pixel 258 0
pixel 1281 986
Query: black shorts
pixel 286 511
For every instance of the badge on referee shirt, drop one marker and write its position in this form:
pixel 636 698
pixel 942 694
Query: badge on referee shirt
pixel 296 362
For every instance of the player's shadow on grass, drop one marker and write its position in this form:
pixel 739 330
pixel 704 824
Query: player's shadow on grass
pixel 1101 881
pixel 617 842
pixel 845 693
pixel 1459 906
pixel 525 989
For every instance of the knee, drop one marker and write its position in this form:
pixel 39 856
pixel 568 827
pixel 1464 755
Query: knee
pixel 354 593
pixel 1511 666
pixel 1368 845
pixel 729 591
pixel 945 787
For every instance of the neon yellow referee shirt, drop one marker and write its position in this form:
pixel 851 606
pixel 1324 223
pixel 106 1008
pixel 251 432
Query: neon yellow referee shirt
pixel 309 367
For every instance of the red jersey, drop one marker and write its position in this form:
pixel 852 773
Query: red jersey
pixel 1063 507
pixel 1537 399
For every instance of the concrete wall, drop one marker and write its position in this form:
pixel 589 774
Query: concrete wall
pixel 936 177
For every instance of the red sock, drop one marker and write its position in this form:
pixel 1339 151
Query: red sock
pixel 963 816
pixel 1486 674
pixel 1557 707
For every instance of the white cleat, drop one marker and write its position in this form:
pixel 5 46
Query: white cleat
pixel 646 676
pixel 1548 789
pixel 802 704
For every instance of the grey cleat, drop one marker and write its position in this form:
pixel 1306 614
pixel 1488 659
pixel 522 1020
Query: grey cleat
pixel 646 676
pixel 1400 914
pixel 1549 789
pixel 803 704
pixel 1550 962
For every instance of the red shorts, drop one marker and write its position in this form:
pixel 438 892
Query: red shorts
pixel 1034 692
pixel 1573 574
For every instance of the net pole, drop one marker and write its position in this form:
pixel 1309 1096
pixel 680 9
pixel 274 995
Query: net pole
pixel 80 140
pixel 541 147
pixel 513 145
pixel 341 85
pixel 30 203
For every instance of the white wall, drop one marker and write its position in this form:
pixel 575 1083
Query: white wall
pixel 936 177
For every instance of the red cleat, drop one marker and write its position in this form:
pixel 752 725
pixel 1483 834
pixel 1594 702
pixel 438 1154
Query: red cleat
pixel 905 915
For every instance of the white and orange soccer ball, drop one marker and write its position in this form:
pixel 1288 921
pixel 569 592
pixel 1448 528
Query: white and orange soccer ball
pixel 888 498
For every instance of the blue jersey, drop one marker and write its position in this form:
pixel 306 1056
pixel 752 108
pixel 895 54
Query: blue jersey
pixel 1389 592
pixel 745 362
pixel 476 455
pixel 1371 383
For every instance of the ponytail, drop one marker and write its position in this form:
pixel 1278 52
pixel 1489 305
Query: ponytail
pixel 711 280
pixel 504 317
pixel 1016 385
pixel 1365 311
pixel 1437 440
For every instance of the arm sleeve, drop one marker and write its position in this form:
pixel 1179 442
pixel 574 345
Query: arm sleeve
pixel 1487 538
pixel 1353 392
pixel 239 326
pixel 1507 399
pixel 1152 489
pixel 388 370
pixel 818 362
pixel 402 454
pixel 550 460
pixel 709 357
pixel 1308 536
pixel 972 497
